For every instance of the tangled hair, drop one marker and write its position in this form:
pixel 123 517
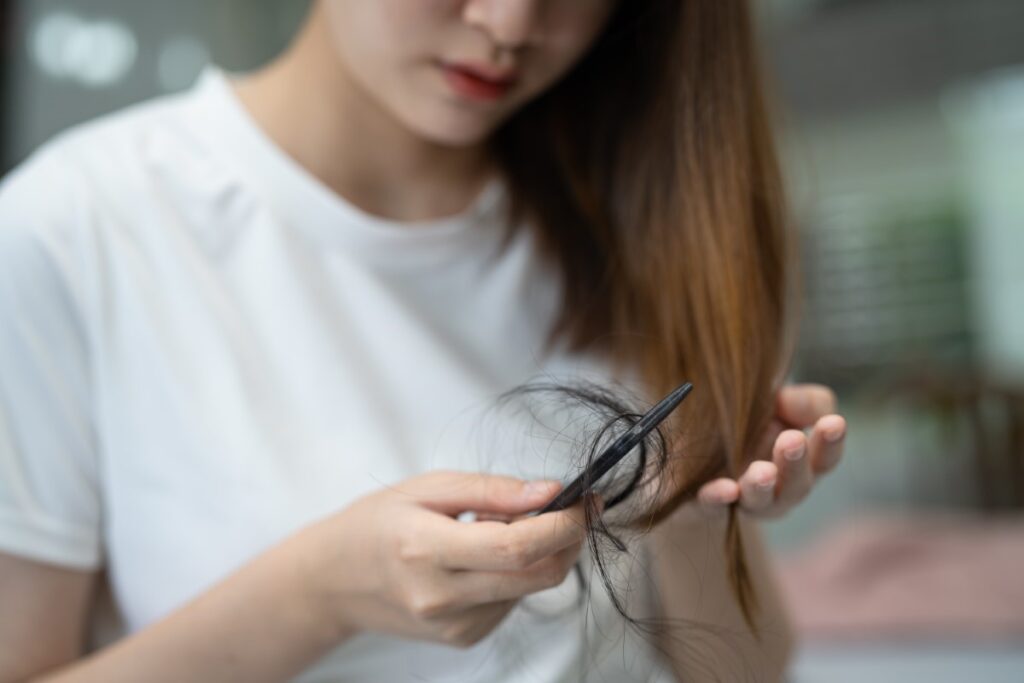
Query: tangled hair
pixel 650 178
pixel 613 414
pixel 596 416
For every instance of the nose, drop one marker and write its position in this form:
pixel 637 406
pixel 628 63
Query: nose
pixel 511 24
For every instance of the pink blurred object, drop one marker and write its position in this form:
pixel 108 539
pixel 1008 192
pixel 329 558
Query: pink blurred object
pixel 916 577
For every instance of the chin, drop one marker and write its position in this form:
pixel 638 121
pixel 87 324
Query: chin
pixel 455 136
pixel 453 131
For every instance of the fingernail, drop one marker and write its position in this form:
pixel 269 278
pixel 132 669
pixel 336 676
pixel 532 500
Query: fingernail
pixel 834 435
pixel 536 488
pixel 766 483
pixel 794 454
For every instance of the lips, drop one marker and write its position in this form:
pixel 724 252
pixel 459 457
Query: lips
pixel 477 82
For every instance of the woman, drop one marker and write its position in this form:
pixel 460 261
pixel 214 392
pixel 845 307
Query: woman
pixel 245 331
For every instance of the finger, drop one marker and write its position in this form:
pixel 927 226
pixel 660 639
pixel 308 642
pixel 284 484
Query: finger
pixel 827 443
pixel 493 517
pixel 757 486
pixel 515 546
pixel 489 621
pixel 718 493
pixel 801 405
pixel 469 627
pixel 795 476
pixel 475 587
pixel 763 450
pixel 454 492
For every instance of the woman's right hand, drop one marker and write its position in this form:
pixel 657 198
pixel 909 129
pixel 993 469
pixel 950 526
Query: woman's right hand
pixel 399 562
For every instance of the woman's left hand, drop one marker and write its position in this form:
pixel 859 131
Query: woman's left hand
pixel 784 473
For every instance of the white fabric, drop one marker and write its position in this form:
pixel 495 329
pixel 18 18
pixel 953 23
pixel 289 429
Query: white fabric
pixel 203 349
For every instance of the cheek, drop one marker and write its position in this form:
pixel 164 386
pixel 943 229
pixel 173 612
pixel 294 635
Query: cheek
pixel 411 23
pixel 570 30
pixel 387 48
pixel 376 37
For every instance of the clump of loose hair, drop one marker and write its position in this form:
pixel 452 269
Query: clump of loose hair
pixel 610 413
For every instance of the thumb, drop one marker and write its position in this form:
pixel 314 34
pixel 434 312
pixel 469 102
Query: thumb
pixel 452 493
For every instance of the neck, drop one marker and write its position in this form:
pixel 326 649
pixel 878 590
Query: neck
pixel 310 106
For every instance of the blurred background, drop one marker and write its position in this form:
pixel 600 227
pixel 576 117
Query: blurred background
pixel 902 130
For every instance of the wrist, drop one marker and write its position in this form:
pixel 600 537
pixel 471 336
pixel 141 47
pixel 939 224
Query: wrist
pixel 315 589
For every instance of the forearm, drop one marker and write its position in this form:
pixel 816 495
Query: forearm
pixel 260 624
pixel 707 638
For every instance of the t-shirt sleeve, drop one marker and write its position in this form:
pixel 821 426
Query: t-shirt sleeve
pixel 49 493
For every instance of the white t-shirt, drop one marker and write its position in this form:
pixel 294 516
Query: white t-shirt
pixel 203 349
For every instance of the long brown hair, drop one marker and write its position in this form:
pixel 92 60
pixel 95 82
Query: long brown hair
pixel 651 177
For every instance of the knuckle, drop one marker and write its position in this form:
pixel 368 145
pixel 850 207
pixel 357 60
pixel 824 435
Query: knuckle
pixel 428 605
pixel 516 552
pixel 411 549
